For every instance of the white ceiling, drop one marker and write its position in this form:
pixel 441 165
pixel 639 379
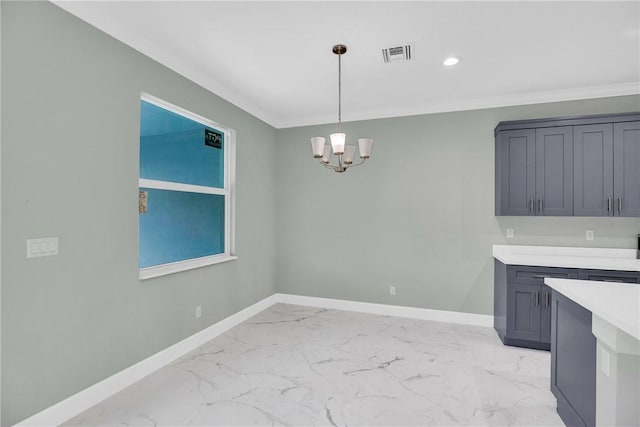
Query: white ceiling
pixel 274 60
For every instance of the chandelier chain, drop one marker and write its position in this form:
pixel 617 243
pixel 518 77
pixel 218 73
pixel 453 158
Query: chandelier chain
pixel 339 92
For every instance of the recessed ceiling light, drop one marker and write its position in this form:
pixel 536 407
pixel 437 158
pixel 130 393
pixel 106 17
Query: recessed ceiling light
pixel 451 61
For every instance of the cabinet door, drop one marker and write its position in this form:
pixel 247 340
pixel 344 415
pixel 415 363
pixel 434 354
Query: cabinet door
pixel 554 171
pixel 545 314
pixel 515 172
pixel 573 362
pixel 593 170
pixel 523 312
pixel 626 167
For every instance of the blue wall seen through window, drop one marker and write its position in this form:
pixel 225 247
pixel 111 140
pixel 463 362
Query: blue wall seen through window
pixel 180 225
pixel 172 148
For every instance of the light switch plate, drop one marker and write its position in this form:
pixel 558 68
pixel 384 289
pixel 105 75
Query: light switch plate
pixel 42 247
pixel 509 233
pixel 589 234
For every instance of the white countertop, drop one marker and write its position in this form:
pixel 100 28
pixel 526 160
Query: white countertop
pixel 555 256
pixel 617 303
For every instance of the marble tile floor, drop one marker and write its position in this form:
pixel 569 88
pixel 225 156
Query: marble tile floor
pixel 302 366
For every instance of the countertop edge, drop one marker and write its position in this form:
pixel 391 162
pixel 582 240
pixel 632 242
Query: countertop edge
pixel 568 257
pixel 571 289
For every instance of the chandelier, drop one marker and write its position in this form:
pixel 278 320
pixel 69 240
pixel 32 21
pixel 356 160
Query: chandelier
pixel 344 153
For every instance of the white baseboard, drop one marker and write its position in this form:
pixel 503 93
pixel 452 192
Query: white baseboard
pixel 389 310
pixel 85 399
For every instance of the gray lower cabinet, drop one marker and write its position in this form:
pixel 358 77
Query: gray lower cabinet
pixel 529 315
pixel 573 351
pixel 523 312
pixel 579 166
pixel 573 362
pixel 522 303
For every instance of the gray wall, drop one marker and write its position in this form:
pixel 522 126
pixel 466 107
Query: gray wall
pixel 70 104
pixel 419 214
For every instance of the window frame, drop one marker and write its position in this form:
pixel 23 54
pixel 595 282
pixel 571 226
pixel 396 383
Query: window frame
pixel 228 191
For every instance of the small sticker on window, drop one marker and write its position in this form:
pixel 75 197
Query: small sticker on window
pixel 213 138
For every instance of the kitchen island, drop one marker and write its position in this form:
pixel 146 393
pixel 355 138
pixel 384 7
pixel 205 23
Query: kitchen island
pixel 612 310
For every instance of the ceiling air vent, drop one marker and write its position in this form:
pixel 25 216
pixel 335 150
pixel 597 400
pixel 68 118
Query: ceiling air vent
pixel 398 53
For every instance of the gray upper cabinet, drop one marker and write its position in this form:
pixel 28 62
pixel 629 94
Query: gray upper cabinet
pixel 515 159
pixel 593 170
pixel 626 168
pixel 554 171
pixel 578 166
pixel 607 169
pixel 534 172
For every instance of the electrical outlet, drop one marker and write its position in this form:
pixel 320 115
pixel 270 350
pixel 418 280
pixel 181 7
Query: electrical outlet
pixel 589 234
pixel 509 233
pixel 392 290
pixel 198 312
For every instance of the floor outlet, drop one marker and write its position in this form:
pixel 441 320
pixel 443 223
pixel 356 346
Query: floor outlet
pixel 392 290
pixel 198 312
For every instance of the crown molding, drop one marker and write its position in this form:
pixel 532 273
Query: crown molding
pixel 575 94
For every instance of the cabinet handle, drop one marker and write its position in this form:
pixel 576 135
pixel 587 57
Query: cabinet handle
pixel 547 300
pixel 530 204
pixel 619 204
pixel 542 276
pixel 536 297
pixel 608 204
pixel 540 205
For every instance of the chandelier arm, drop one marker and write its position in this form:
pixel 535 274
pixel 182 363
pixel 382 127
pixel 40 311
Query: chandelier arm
pixel 358 164
pixel 328 165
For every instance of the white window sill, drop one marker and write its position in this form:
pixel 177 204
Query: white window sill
pixel 175 267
